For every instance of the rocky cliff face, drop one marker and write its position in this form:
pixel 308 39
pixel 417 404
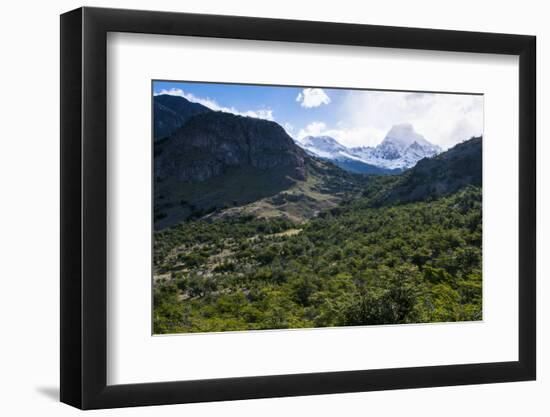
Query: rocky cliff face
pixel 215 160
pixel 211 142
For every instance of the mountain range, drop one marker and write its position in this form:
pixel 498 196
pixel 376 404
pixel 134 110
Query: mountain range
pixel 401 149
pixel 211 164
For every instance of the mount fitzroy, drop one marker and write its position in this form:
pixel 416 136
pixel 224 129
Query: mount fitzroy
pixel 401 149
pixel 210 164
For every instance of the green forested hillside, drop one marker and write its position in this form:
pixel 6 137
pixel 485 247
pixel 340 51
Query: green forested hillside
pixel 359 263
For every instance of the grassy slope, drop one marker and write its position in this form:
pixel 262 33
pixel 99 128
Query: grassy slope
pixel 247 190
pixel 325 187
pixel 177 201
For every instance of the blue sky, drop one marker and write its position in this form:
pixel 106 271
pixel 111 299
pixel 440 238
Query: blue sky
pixel 353 117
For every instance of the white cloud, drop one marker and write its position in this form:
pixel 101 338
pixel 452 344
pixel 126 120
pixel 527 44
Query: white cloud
pixel 365 117
pixel 357 136
pixel 259 114
pixel 348 136
pixel 213 105
pixel 312 97
pixel 312 129
pixel 443 119
pixel 289 128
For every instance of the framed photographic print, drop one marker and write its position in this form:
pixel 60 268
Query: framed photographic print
pixel 258 207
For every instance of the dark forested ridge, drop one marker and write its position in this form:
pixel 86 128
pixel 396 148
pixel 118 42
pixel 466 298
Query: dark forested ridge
pixel 252 233
pixel 441 175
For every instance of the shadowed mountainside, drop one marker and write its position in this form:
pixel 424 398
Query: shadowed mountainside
pixel 219 161
pixel 441 175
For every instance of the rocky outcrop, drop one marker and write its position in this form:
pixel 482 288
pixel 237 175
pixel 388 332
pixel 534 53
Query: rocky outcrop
pixel 211 142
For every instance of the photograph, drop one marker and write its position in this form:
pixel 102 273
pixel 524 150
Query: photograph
pixel 268 209
pixel 301 207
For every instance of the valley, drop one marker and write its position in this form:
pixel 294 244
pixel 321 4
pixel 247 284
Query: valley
pixel 352 265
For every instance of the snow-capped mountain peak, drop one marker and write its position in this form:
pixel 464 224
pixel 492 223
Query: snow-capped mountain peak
pixel 401 149
pixel 403 135
pixel 323 146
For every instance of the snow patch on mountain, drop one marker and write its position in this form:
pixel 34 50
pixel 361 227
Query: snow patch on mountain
pixel 324 147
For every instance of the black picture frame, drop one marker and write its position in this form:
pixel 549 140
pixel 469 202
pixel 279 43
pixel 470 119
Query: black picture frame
pixel 84 207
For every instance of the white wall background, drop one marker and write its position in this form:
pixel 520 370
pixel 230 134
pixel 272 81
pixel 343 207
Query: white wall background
pixel 29 236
